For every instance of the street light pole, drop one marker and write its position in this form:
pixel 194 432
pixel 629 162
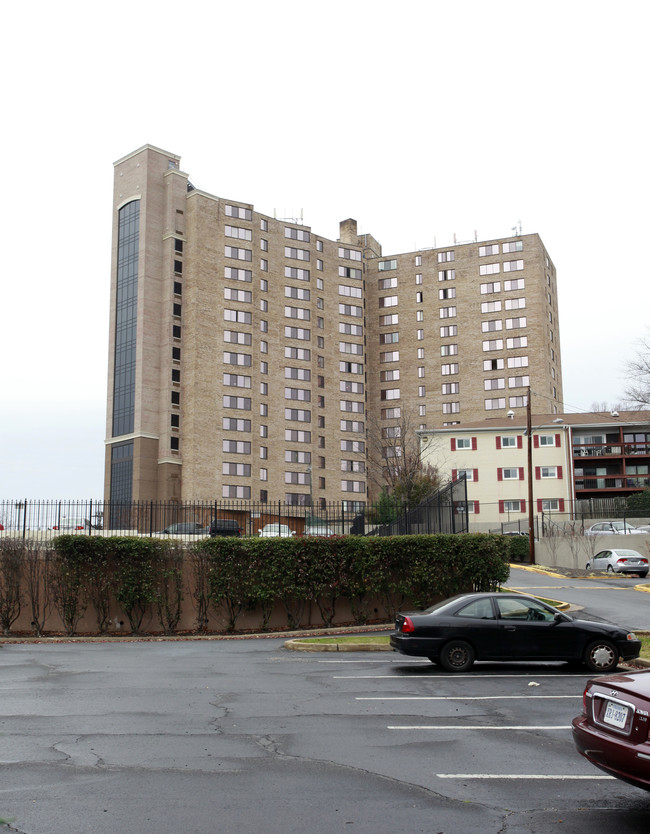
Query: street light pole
pixel 531 515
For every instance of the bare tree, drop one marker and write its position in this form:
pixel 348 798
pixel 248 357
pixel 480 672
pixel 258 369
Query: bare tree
pixel 395 460
pixel 604 406
pixel 638 372
pixel 37 573
pixel 11 557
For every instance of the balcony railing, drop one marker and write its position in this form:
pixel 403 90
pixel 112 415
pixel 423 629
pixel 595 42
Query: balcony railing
pixel 613 482
pixel 591 450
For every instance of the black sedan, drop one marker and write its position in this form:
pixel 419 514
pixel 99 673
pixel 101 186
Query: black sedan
pixel 505 627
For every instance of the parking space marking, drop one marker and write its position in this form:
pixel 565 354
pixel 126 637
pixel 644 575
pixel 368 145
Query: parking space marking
pixel 477 727
pixel 469 698
pixel 435 677
pixel 508 776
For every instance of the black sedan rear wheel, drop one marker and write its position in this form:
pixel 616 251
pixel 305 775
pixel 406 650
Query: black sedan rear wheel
pixel 601 656
pixel 457 656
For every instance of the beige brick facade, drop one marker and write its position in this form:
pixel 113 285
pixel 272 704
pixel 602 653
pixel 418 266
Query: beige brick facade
pixel 263 356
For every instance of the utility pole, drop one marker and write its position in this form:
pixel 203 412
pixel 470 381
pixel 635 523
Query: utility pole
pixel 531 515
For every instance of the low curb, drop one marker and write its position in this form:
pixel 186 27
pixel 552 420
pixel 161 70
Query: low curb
pixel 301 646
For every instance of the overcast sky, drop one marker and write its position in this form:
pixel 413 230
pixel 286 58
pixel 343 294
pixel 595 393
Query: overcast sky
pixel 422 120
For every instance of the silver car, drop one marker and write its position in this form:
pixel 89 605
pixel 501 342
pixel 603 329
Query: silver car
pixel 619 561
pixel 280 530
pixel 613 528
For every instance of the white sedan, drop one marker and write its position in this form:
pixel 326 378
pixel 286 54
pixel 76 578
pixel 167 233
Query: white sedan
pixel 619 561
pixel 276 530
pixel 613 528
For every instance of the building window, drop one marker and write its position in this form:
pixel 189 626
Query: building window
pixel 388 301
pixel 236 231
pixel 489 269
pixel 447 330
pixel 512 246
pixel 448 350
pixel 447 292
pixel 513 266
pixel 491 326
pixel 548 472
pixel 490 249
pixel 387 283
pixel 349 254
pixel 514 284
pixel 491 307
pixel 238 253
pixel 451 408
pixel 511 473
pixel 450 388
pixel 296 234
pixel 494 384
pixel 487 289
pixel 450 369
pixel 382 266
pixel 518 381
pixel 445 257
pixel 495 403
pixel 492 364
pixel 547 440
pixel 236 274
pixel 517 342
pixel 517 402
pixel 297 254
pixel 238 211
pixel 514 324
pixel 446 274
pixel 447 312
pixel 390 394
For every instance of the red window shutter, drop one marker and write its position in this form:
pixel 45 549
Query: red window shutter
pixel 520 441
pixel 536 441
pixel 453 444
pixel 498 442
pixel 475 471
pixel 474 443
pixel 501 510
pixel 559 472
pixel 558 442
pixel 454 474
pixel 538 473
pixel 561 505
pixel 539 505
pixel 477 509
pixel 523 506
pixel 499 474
pixel 521 473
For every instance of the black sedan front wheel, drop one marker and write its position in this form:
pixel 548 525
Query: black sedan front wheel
pixel 601 656
pixel 457 656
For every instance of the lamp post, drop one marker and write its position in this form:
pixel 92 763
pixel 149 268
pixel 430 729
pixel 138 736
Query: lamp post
pixel 311 489
pixel 531 513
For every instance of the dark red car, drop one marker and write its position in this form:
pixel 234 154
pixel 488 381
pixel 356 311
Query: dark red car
pixel 612 732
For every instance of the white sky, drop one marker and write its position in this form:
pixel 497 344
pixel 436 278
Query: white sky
pixel 420 119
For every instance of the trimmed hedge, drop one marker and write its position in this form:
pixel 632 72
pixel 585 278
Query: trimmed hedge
pixel 235 575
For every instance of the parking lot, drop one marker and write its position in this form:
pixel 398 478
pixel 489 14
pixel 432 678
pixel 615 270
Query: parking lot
pixel 243 735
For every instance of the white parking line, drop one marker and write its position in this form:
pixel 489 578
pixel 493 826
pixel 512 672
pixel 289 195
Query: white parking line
pixel 469 698
pixel 435 677
pixel 518 776
pixel 477 727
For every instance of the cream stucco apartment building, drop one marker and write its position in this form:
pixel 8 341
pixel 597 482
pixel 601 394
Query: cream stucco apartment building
pixel 252 358
pixel 581 463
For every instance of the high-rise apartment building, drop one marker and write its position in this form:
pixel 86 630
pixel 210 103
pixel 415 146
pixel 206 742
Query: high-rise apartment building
pixel 251 358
